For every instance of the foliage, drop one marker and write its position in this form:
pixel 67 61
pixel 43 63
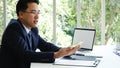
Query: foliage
pixel 116 30
pixel 112 19
pixel 91 16
pixel 69 18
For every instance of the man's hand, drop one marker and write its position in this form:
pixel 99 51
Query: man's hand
pixel 77 44
pixel 66 51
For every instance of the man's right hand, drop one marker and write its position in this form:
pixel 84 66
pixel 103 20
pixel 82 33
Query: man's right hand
pixel 66 51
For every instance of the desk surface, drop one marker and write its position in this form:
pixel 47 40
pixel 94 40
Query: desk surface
pixel 109 60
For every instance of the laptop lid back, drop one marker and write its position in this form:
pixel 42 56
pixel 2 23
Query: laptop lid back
pixel 84 35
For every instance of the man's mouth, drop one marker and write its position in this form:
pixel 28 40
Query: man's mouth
pixel 35 21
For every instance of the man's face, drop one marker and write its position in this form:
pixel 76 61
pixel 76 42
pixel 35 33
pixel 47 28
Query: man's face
pixel 30 16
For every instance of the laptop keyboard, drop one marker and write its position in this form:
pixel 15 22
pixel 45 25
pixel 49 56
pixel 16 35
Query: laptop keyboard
pixel 76 57
pixel 88 58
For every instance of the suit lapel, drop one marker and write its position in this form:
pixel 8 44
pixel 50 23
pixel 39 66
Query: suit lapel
pixel 24 33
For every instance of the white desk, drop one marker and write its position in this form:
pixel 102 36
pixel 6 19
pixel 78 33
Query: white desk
pixel 109 60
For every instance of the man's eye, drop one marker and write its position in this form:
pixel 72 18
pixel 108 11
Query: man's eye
pixel 33 12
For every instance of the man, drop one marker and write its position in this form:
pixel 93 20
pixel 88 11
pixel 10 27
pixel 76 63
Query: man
pixel 20 40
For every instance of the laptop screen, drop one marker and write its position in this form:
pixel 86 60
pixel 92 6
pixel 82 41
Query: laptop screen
pixel 86 36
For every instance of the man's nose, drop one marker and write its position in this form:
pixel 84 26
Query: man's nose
pixel 36 16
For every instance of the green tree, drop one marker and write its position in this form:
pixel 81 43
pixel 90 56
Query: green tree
pixel 90 16
pixel 112 19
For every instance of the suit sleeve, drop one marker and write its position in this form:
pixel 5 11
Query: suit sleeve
pixel 47 46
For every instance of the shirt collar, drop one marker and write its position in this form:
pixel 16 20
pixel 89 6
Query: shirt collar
pixel 27 30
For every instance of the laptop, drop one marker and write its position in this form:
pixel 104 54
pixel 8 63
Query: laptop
pixel 86 36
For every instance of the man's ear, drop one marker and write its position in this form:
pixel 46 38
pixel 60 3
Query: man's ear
pixel 21 14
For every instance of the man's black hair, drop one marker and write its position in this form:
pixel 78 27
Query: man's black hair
pixel 22 5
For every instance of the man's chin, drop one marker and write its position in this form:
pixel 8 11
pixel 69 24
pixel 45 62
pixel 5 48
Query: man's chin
pixel 33 26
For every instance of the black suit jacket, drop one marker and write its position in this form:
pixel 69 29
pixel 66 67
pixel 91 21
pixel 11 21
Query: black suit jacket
pixel 15 50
